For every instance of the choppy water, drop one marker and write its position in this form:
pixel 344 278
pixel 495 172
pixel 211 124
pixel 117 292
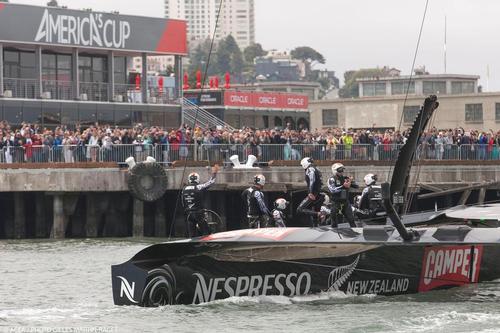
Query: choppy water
pixel 48 286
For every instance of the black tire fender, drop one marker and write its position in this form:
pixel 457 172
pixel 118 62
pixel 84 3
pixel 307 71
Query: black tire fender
pixel 147 181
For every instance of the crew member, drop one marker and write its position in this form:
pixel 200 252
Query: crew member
pixel 257 211
pixel 370 203
pixel 339 186
pixel 192 201
pixel 311 204
pixel 278 213
pixel 326 209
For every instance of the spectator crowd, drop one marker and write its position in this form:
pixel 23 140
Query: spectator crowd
pixel 32 143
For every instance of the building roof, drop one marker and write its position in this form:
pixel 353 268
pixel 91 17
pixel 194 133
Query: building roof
pixel 420 77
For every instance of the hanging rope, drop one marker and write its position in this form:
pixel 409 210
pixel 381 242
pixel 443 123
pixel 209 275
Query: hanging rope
pixel 411 74
pixel 179 196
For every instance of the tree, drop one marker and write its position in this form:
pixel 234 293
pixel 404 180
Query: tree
pixel 253 51
pixel 309 56
pixel 351 87
pixel 222 59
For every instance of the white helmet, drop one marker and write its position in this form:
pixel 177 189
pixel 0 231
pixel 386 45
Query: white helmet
pixel 194 178
pixel 326 200
pixel 280 204
pixel 357 200
pixel 259 180
pixel 338 167
pixel 370 179
pixel 306 162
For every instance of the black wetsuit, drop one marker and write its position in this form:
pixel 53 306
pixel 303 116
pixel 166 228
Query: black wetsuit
pixel 371 205
pixel 257 211
pixel 192 199
pixel 308 206
pixel 341 207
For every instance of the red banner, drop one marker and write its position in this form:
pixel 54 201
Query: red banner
pixel 265 100
pixel 450 266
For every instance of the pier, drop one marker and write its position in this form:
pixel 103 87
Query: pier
pixel 94 201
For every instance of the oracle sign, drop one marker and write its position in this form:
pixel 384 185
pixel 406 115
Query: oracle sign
pixel 239 98
pixel 265 100
pixel 77 28
pixel 450 266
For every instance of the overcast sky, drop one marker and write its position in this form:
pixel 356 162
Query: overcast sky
pixel 366 33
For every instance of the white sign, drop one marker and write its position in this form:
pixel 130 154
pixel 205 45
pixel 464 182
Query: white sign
pixel 127 289
pixel 91 30
pixel 378 286
pixel 254 285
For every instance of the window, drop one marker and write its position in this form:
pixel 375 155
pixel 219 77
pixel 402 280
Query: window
pixel 462 87
pixel 32 113
pixel 330 117
pixel 87 114
pixel 434 87
pixel 19 64
pixel 120 70
pixel 51 114
pixel 374 89
pixel 474 113
pixel 497 112
pixel 105 114
pixel 69 114
pixel 93 69
pixel 399 88
pixel 410 113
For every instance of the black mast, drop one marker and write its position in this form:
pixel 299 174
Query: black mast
pixel 401 175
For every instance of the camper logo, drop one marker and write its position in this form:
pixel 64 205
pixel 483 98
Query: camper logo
pixel 450 266
pixel 127 289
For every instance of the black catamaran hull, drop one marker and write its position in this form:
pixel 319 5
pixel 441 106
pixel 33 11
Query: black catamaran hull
pixel 301 261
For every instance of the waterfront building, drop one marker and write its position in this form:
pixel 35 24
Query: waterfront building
pixel 62 66
pixel 236 19
pixel 470 111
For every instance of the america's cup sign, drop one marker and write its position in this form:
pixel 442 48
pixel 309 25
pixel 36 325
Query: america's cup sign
pixel 90 30
pixel 62 27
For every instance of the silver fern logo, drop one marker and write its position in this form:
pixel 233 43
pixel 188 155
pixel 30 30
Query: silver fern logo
pixel 340 275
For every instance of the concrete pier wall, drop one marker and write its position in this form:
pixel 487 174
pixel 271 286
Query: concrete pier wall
pixel 61 203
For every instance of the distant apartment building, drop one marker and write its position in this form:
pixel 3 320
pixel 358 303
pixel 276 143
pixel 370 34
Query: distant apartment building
pixel 236 19
pixel 279 66
pixel 156 64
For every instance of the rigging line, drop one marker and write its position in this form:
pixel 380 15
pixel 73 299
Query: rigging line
pixel 411 73
pixel 334 267
pixel 196 116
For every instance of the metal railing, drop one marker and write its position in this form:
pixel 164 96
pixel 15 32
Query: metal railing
pixel 94 91
pixel 53 89
pixel 168 153
pixel 195 115
pixel 89 91
pixel 21 88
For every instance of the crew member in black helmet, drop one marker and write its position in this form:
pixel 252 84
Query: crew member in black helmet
pixel 311 205
pixel 192 201
pixel 257 212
